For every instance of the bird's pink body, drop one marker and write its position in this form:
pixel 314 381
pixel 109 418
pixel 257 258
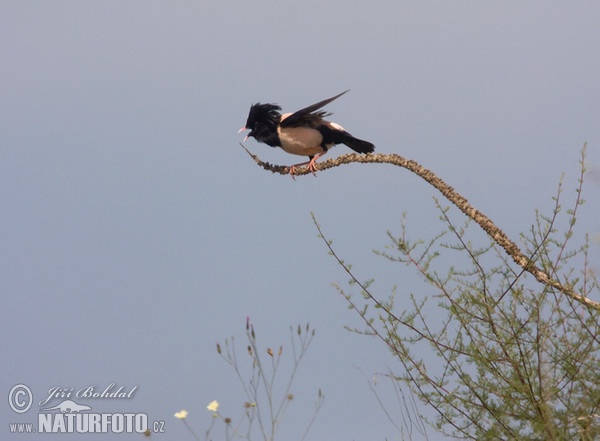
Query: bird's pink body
pixel 303 141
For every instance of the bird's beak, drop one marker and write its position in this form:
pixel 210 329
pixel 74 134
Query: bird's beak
pixel 241 130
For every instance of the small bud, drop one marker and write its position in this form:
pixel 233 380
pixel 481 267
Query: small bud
pixel 270 352
pixel 280 350
pixel 218 348
pixel 227 420
pixel 250 350
pixel 290 397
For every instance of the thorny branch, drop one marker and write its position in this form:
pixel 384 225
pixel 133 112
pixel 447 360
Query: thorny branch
pixel 453 196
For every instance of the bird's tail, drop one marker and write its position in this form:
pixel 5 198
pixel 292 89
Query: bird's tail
pixel 358 145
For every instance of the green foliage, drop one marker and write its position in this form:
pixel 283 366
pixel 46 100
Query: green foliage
pixel 515 359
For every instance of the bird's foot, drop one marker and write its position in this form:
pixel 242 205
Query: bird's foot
pixel 310 165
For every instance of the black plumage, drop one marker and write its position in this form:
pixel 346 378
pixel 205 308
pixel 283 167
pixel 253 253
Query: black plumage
pixel 304 132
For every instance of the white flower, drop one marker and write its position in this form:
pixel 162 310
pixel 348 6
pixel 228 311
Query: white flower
pixel 213 406
pixel 182 414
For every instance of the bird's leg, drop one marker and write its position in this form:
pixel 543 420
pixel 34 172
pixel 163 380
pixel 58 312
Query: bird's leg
pixel 313 161
pixel 293 167
pixel 311 164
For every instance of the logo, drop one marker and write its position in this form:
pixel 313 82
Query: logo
pixel 69 406
pixel 20 398
pixel 74 413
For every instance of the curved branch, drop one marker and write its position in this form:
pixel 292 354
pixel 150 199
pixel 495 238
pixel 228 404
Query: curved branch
pixel 453 196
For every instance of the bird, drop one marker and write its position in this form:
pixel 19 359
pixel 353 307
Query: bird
pixel 304 132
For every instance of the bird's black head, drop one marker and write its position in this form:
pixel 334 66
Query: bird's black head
pixel 262 123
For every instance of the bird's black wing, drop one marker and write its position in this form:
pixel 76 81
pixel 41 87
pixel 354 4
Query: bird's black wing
pixel 297 117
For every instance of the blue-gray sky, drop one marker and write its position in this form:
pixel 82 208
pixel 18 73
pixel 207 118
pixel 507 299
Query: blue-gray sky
pixel 136 233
